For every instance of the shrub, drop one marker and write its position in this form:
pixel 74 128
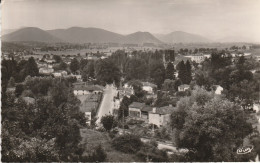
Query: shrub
pixel 128 143
pixel 150 152
pixel 108 122
pixel 99 155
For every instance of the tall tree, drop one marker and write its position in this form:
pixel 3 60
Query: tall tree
pixel 88 71
pixel 83 63
pixel 182 74
pixel 157 73
pixel 31 68
pixel 136 69
pixel 107 72
pixel 74 65
pixel 188 68
pixel 169 74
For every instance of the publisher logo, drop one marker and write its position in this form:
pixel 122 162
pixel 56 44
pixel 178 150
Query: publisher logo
pixel 244 150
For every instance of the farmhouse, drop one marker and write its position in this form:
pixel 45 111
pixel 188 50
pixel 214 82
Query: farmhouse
pixel 160 116
pixel 135 109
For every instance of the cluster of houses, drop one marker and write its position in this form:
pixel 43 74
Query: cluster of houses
pixel 159 116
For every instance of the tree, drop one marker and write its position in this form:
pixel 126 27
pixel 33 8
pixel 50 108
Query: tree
pixel 99 155
pixel 57 58
pixel 150 152
pixel 188 68
pixel 157 73
pixel 11 82
pixel 123 111
pixel 74 65
pixel 62 66
pixel 107 72
pixel 182 74
pixel 19 89
pixel 31 68
pixel 204 121
pixel 83 63
pixel 169 74
pixel 88 71
pixel 136 69
pixel 127 143
pixel 108 122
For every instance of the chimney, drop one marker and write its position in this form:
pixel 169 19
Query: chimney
pixel 154 110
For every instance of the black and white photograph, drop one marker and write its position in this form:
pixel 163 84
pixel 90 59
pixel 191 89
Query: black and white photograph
pixel 130 80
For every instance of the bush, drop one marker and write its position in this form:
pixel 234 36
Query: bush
pixel 113 133
pixel 128 143
pixel 150 152
pixel 99 155
pixel 108 122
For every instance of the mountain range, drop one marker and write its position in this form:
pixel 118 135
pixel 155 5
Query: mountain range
pixel 79 35
pixel 182 37
pixel 97 35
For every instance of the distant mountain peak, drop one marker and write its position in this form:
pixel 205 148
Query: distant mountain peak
pixel 182 37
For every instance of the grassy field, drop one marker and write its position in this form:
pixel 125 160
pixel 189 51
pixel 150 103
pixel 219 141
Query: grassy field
pixel 93 138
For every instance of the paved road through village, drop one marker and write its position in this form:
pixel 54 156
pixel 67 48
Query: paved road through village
pixel 107 103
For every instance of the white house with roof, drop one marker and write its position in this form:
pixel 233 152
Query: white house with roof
pixel 218 89
pixel 160 116
pixel 83 89
pixel 183 87
pixel 149 87
pixel 60 73
pixel 135 109
pixel 198 58
pixel 45 70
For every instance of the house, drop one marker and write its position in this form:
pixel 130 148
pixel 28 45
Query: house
pixel 256 107
pixel 135 109
pixel 83 89
pixel 88 117
pixel 49 61
pixel 145 112
pixel 60 73
pixel 46 71
pixel 10 90
pixel 160 116
pixel 183 87
pixel 198 58
pixel 149 87
pixel 218 89
pixel 29 100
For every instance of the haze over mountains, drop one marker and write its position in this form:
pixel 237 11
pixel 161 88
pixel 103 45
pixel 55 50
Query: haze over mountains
pixel 97 35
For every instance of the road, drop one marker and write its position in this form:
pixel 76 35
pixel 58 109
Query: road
pixel 107 103
pixel 162 145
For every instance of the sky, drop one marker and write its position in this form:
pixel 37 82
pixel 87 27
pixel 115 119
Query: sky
pixel 213 19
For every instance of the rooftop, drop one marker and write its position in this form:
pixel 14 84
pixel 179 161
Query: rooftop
pixel 88 87
pixel 164 110
pixel 149 84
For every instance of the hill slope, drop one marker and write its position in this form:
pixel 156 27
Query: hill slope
pixel 182 37
pixel 86 35
pixel 30 34
pixel 140 38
